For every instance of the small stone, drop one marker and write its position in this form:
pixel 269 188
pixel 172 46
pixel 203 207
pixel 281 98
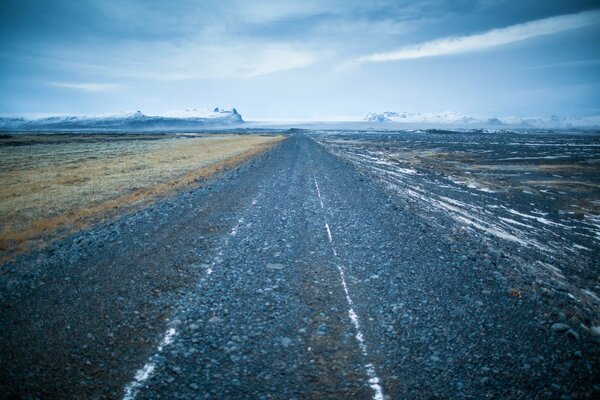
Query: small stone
pixel 578 354
pixel 322 331
pixel 193 327
pixel 275 266
pixel 573 334
pixel 214 320
pixel 175 323
pixel 595 330
pixel 286 341
pixel 559 327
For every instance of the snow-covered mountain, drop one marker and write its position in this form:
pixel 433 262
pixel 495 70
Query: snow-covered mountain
pixel 187 119
pixel 478 120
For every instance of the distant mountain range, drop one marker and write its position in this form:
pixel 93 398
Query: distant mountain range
pixel 478 120
pixel 187 119
pixel 193 119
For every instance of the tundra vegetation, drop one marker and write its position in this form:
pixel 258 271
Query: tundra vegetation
pixel 55 184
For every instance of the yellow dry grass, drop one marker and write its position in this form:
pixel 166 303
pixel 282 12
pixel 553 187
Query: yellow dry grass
pixel 49 185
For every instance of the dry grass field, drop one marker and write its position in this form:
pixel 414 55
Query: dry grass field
pixel 52 184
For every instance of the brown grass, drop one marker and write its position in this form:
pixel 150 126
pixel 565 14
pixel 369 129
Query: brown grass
pixel 50 189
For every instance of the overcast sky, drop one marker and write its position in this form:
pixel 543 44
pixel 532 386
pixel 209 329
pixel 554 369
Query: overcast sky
pixel 301 60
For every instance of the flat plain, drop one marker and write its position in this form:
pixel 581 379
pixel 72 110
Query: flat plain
pixel 337 265
pixel 535 192
pixel 63 182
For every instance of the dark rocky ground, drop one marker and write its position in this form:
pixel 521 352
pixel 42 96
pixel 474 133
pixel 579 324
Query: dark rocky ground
pixel 244 279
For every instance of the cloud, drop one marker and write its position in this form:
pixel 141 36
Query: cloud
pixel 169 61
pixel 268 11
pixel 489 39
pixel 86 86
pixel 567 64
pixel 271 60
pixel 241 61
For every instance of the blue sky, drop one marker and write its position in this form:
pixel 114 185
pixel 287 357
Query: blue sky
pixel 300 60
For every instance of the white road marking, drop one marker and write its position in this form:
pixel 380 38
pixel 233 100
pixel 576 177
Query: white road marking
pixel 144 373
pixel 374 381
pixel 232 233
pixel 328 232
pixel 319 194
pixel 234 230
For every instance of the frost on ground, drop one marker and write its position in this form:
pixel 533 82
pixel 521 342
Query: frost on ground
pixel 537 193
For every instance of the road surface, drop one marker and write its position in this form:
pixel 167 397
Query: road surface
pixel 292 277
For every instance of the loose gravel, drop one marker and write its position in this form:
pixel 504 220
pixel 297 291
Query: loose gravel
pixel 233 291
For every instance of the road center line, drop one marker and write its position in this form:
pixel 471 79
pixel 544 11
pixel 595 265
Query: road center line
pixel 374 380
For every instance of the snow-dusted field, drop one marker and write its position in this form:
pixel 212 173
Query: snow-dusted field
pixel 538 194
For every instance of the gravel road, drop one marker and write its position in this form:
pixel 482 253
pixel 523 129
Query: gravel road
pixel 293 276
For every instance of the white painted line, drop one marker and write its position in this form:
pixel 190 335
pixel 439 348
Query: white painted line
pixel 328 233
pixel 374 381
pixel 232 233
pixel 319 194
pixel 234 230
pixel 144 373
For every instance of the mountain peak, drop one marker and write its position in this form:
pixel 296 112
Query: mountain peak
pixel 478 120
pixel 187 119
